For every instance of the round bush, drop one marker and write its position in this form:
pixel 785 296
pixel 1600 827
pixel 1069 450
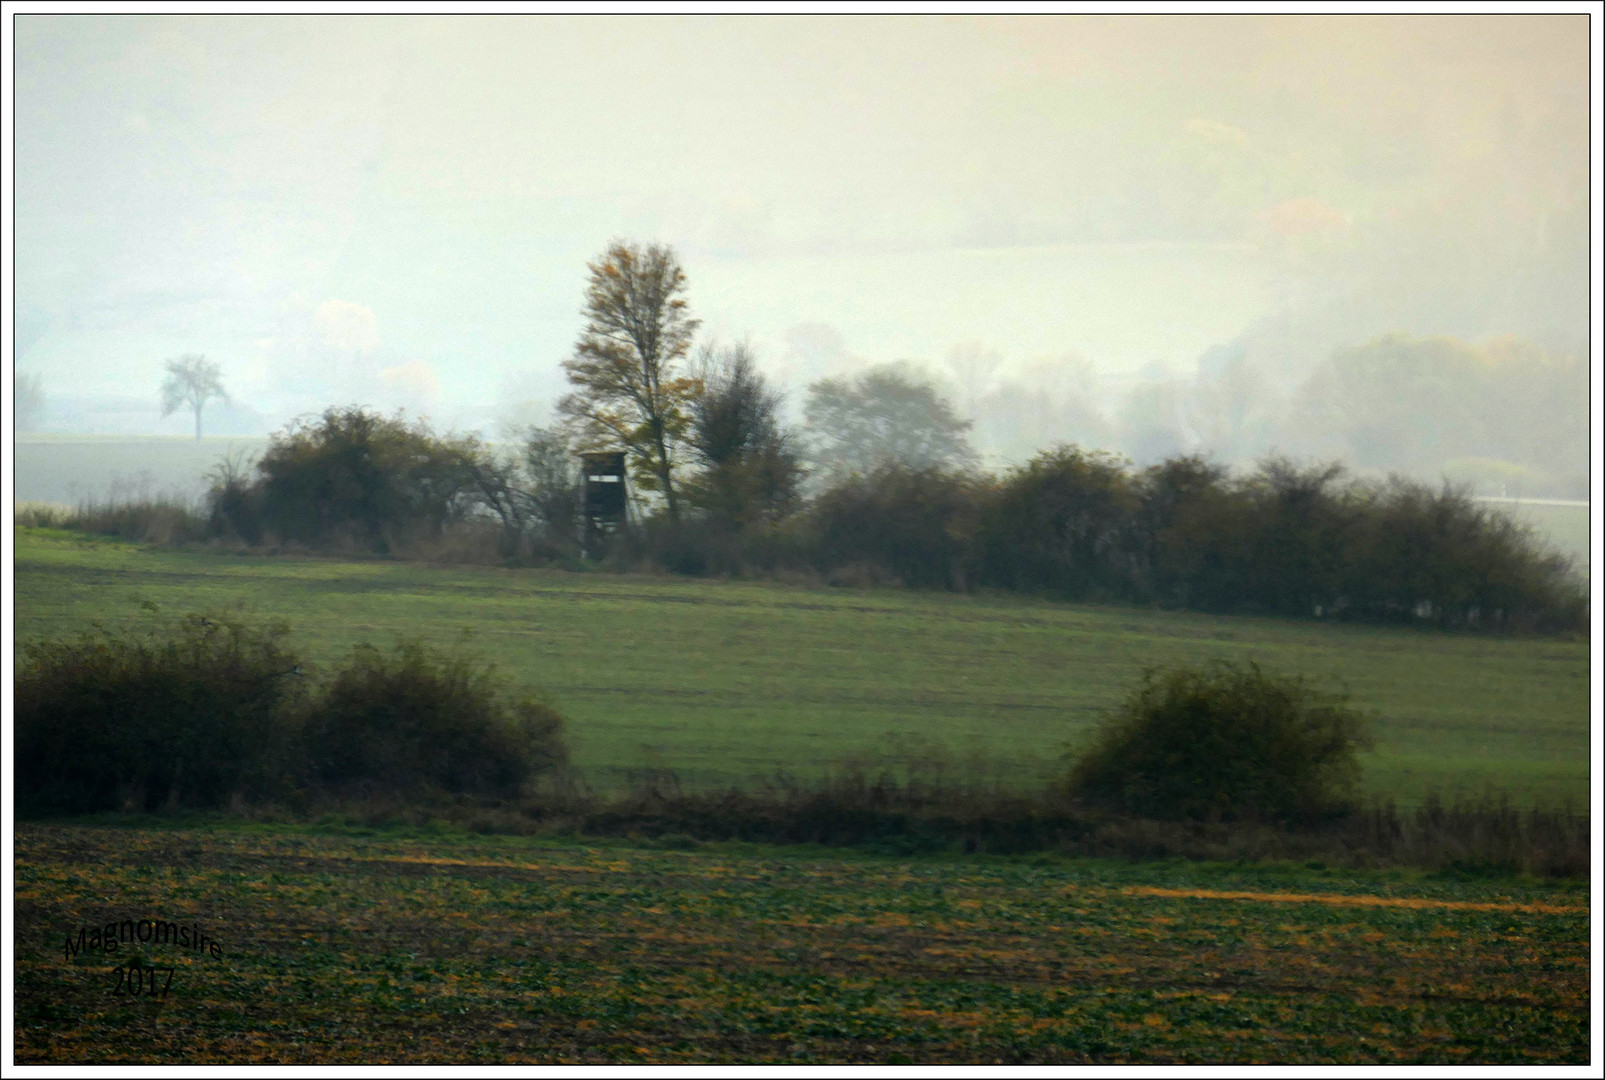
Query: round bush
pixel 1225 742
pixel 187 714
pixel 413 721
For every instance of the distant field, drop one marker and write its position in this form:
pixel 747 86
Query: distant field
pixel 70 469
pixel 381 946
pixel 724 681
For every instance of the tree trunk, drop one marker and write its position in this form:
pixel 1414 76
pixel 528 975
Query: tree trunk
pixel 668 493
pixel 664 471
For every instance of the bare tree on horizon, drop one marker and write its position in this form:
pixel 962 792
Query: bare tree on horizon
pixel 192 381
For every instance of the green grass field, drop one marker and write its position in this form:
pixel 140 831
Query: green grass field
pixel 725 682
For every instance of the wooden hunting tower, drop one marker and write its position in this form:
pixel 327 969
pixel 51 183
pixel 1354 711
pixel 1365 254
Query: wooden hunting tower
pixel 604 499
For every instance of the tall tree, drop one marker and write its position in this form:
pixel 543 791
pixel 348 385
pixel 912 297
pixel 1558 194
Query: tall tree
pixel 750 468
pixel 192 381
pixel 629 391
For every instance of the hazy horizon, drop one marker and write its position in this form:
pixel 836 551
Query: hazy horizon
pixel 398 212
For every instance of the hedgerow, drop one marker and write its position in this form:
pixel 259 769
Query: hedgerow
pixel 211 709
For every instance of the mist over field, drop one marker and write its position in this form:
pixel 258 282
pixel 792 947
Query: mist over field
pixel 1362 239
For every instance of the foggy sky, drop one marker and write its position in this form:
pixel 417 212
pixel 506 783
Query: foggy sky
pixel 398 211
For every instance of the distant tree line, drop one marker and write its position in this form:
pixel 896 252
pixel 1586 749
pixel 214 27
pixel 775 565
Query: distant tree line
pixel 880 486
pixel 1504 415
pixel 1073 524
pixel 1283 540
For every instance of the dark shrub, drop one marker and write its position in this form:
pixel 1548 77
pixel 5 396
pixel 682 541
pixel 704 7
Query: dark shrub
pixel 1301 524
pixel 915 524
pixel 1192 530
pixel 695 547
pixel 412 722
pixel 1063 524
pixel 1440 555
pixel 188 715
pixel 356 478
pixel 234 504
pixel 1224 742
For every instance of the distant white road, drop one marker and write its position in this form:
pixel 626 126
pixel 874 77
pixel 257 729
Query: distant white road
pixel 1507 500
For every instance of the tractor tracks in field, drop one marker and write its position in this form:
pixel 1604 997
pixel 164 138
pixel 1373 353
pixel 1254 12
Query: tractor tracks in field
pixel 504 586
pixel 706 912
pixel 1356 900
pixel 68 847
pixel 740 696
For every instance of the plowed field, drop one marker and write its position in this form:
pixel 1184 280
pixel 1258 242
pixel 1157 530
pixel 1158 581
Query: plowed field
pixel 411 948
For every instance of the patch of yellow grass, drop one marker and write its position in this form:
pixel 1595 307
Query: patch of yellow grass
pixel 1345 900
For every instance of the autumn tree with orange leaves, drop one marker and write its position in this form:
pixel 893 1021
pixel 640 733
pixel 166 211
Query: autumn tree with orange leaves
pixel 629 392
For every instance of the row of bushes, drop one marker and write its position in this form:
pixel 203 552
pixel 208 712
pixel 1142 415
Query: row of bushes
pixel 198 711
pixel 205 710
pixel 1073 524
pixel 916 815
pixel 1080 525
pixel 1218 762
pixel 211 710
pixel 1281 541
